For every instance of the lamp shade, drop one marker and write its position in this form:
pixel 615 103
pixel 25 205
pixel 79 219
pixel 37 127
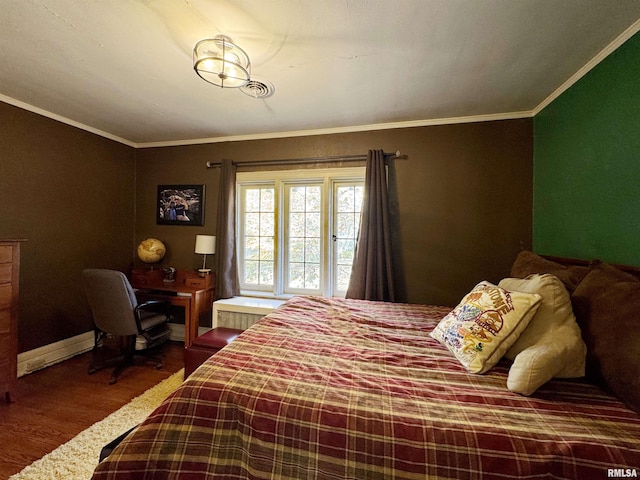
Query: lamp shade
pixel 205 244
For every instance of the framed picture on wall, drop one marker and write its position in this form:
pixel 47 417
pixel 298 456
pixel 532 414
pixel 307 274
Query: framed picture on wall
pixel 180 205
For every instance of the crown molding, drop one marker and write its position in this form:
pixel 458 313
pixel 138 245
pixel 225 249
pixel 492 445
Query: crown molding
pixel 270 135
pixel 352 129
pixel 65 120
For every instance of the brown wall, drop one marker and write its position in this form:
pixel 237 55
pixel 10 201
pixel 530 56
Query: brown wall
pixel 71 195
pixel 464 195
pixel 464 201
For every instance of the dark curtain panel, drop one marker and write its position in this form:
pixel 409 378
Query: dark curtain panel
pixel 372 274
pixel 227 284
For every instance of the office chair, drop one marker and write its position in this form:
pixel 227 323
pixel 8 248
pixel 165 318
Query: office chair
pixel 116 312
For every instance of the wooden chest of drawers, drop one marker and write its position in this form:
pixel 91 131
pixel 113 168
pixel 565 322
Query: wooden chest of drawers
pixel 9 283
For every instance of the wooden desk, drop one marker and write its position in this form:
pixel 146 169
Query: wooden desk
pixel 190 291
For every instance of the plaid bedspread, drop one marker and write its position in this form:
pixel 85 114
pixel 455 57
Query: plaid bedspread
pixel 335 389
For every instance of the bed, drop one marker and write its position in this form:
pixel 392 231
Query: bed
pixel 333 389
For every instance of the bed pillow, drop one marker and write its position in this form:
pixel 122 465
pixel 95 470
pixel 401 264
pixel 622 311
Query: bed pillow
pixel 536 365
pixel 485 324
pixel 607 307
pixel 528 262
pixel 551 345
pixel 555 310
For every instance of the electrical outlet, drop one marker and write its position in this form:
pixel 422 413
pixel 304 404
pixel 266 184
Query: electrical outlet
pixel 35 364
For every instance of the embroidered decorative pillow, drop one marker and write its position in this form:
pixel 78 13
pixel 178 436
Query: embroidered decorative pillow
pixel 485 324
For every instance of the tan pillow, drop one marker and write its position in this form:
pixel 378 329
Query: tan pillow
pixel 547 359
pixel 551 345
pixel 485 324
pixel 555 309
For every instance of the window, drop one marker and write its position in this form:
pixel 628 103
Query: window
pixel 298 230
pixel 304 234
pixel 348 202
pixel 259 235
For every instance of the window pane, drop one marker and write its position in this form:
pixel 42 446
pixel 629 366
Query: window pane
pixel 266 225
pixel 312 276
pixel 313 199
pixel 359 197
pixel 267 200
pixel 296 250
pixel 266 249
pixel 296 225
pixel 345 199
pixel 312 250
pixel 343 276
pixel 252 248
pixel 252 224
pixel 296 275
pixel 252 200
pixel 297 199
pixel 346 249
pixel 312 225
pixel 347 225
pixel 266 273
pixel 251 270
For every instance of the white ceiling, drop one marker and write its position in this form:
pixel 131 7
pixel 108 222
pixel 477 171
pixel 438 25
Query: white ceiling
pixel 123 68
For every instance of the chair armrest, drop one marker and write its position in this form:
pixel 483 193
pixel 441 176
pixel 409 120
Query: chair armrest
pixel 153 306
pixel 150 303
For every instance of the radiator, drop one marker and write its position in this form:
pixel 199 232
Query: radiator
pixel 241 312
pixel 237 320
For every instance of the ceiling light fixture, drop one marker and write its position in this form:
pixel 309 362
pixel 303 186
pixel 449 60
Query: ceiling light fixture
pixel 221 62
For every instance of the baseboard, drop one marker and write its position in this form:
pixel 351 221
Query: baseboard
pixel 48 355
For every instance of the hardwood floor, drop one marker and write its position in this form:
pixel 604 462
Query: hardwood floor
pixel 53 405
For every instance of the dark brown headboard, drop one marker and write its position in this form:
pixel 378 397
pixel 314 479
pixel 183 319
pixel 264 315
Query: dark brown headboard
pixel 585 263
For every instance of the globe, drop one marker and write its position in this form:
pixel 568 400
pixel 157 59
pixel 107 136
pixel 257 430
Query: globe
pixel 151 250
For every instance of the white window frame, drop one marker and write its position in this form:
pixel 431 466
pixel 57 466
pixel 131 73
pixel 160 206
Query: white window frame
pixel 333 247
pixel 328 178
pixel 260 183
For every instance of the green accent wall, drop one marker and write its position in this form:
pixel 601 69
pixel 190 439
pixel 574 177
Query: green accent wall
pixel 586 200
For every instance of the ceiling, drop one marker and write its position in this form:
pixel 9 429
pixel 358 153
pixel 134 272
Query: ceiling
pixel 124 68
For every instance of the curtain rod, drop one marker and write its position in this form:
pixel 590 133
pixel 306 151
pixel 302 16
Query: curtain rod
pixel 299 161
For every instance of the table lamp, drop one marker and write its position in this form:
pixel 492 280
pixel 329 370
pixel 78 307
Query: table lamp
pixel 205 245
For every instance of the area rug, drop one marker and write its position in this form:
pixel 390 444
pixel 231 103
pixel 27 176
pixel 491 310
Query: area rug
pixel 77 459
